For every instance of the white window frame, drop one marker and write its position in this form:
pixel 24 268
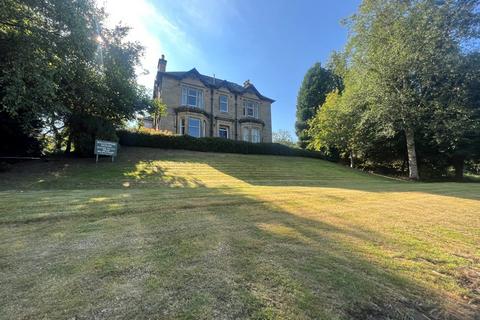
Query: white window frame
pixel 182 125
pixel 226 129
pixel 190 92
pixel 224 103
pixel 200 131
pixel 246 134
pixel 250 106
pixel 255 135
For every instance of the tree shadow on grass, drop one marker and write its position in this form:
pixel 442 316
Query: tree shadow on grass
pixel 305 172
pixel 146 172
pixel 191 251
pixel 134 168
pixel 314 266
pixel 210 255
pixel 84 174
pixel 282 171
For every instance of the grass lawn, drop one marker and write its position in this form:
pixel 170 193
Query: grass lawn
pixel 186 235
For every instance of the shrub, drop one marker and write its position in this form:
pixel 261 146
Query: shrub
pixel 17 141
pixel 145 139
pixel 154 132
pixel 86 129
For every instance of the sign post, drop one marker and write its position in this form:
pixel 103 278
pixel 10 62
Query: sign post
pixel 105 148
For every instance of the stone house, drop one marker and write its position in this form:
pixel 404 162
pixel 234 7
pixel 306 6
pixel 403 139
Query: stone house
pixel 203 106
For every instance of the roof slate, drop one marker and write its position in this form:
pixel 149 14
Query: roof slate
pixel 214 82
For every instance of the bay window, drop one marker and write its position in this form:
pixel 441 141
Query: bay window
pixel 251 134
pixel 255 135
pixel 245 134
pixel 194 127
pixel 182 126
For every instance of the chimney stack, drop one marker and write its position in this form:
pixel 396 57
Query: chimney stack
pixel 162 64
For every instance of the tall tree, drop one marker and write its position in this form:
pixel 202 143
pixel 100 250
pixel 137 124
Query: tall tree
pixel 36 40
pixel 332 127
pixel 317 83
pixel 463 142
pixel 105 94
pixel 406 55
pixel 63 71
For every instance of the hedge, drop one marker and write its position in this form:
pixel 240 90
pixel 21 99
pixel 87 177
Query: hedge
pixel 207 144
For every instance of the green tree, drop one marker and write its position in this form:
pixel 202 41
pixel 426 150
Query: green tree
pixel 37 38
pixel 105 94
pixel 465 145
pixel 404 58
pixel 317 83
pixel 64 72
pixel 335 127
pixel 158 110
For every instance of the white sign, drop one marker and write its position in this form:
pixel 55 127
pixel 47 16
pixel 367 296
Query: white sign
pixel 105 148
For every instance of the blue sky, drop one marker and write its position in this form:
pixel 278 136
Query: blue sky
pixel 272 43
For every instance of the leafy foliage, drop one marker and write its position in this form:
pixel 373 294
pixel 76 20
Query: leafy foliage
pixel 404 75
pixel 210 144
pixel 64 71
pixel 16 142
pixel 158 110
pixel 318 82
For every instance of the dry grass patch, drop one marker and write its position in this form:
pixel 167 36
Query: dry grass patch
pixel 187 235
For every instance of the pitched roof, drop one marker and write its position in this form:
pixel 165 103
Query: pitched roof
pixel 214 82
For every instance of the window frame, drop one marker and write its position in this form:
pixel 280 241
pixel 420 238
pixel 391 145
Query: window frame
pixel 253 106
pixel 246 134
pixel 199 127
pixel 226 129
pixel 225 103
pixel 255 138
pixel 182 125
pixel 192 92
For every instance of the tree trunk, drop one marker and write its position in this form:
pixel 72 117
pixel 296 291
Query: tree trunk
pixel 68 148
pixel 351 159
pixel 404 165
pixel 156 120
pixel 459 164
pixel 57 137
pixel 412 155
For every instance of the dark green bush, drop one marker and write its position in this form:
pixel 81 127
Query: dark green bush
pixel 138 139
pixel 15 139
pixel 86 129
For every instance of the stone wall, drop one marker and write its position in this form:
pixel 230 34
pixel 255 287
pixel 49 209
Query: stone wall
pixel 171 92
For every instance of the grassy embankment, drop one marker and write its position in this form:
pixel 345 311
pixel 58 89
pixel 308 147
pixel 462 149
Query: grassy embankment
pixel 176 234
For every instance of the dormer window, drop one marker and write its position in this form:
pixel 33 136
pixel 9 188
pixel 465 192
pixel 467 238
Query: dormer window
pixel 192 97
pixel 250 109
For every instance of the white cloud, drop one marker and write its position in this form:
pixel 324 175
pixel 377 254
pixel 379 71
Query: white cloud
pixel 156 32
pixel 169 28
